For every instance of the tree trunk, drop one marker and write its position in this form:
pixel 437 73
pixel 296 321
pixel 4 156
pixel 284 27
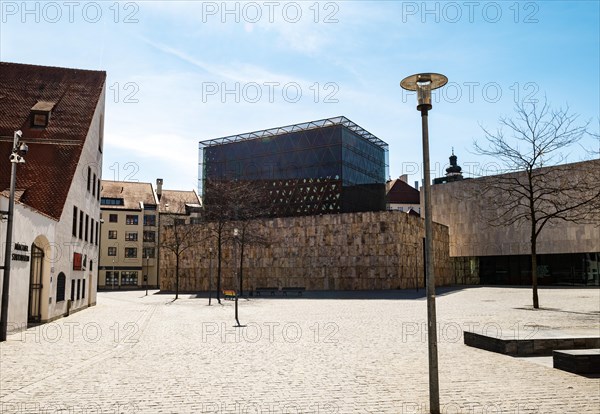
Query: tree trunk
pixel 534 281
pixel 177 276
pixel 219 252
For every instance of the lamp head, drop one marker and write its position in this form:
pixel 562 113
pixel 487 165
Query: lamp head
pixel 24 148
pixel 423 83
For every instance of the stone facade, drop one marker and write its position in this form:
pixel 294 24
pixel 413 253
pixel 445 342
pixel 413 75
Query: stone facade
pixel 353 251
pixel 457 206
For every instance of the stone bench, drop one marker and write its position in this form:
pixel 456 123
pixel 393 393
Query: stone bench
pixel 577 361
pixel 528 347
pixel 297 290
pixel 271 290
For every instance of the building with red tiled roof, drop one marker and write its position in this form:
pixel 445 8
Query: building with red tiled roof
pixel 60 113
pixel 402 197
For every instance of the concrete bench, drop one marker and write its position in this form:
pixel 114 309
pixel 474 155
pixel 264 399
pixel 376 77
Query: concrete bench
pixel 297 290
pixel 270 290
pixel 577 361
pixel 529 347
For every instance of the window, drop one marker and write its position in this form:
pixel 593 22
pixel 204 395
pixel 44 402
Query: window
pixel 83 285
pixel 195 220
pixel 149 252
pixel 130 252
pixel 61 282
pixel 81 225
pixel 74 221
pixel 91 230
pixel 87 227
pixel 98 193
pixel 91 265
pixel 112 278
pixel 131 219
pixel 149 220
pixel 77 261
pixel 112 251
pixel 150 207
pixel 78 288
pixel 94 186
pixel 107 201
pixel 96 233
pixel 112 234
pixel 72 290
pixel 149 236
pixel 113 218
pixel 179 222
pixel 129 278
pixel 131 235
pixel 89 178
pixel 40 119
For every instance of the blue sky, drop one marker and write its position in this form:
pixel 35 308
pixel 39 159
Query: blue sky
pixel 182 72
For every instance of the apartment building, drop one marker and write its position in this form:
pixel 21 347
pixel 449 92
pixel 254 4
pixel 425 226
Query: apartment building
pixel 128 235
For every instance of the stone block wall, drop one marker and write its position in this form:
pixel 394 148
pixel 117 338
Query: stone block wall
pixel 353 251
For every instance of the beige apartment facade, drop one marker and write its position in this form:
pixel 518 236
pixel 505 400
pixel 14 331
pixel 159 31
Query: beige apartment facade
pixel 128 236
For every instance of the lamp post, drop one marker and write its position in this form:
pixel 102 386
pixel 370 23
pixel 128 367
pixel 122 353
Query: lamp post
pixel 210 250
pixel 146 275
pixel 423 84
pixel 235 273
pixel 15 158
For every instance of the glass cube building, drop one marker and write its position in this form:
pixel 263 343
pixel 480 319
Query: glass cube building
pixel 326 166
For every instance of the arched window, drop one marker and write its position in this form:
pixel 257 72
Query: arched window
pixel 61 282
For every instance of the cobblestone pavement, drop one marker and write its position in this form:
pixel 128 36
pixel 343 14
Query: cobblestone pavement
pixel 363 353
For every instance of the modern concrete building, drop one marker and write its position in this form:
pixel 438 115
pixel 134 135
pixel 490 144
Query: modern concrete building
pixel 57 205
pixel 320 167
pixel 568 252
pixel 128 235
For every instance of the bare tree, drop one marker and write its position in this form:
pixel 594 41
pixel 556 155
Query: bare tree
pixel 178 235
pixel 537 190
pixel 229 204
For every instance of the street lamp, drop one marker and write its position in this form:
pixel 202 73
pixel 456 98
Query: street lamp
pixel 15 158
pixel 235 273
pixel 424 83
pixel 146 275
pixel 210 250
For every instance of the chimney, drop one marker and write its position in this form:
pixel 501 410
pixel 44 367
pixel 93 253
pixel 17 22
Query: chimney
pixel 416 185
pixel 404 177
pixel 159 183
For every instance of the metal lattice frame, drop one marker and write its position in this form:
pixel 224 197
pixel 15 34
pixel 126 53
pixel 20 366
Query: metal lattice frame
pixel 305 126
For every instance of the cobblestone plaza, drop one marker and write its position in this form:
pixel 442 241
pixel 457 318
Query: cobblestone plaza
pixel 349 353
